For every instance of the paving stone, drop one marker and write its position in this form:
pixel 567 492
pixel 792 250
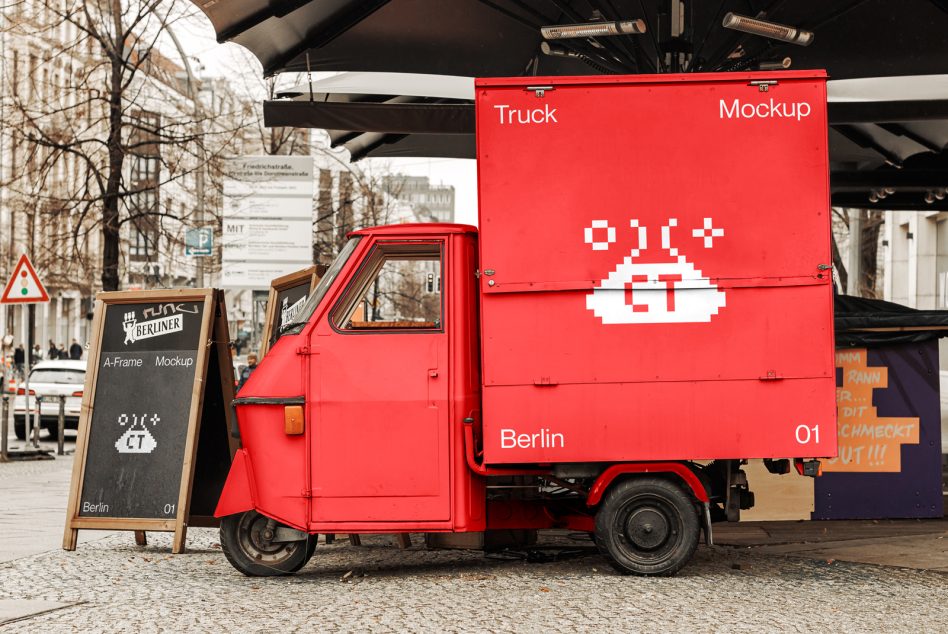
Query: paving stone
pixel 114 586
pixel 127 588
pixel 16 609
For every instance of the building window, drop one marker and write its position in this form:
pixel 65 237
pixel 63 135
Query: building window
pixel 143 242
pixel 143 136
pixel 144 177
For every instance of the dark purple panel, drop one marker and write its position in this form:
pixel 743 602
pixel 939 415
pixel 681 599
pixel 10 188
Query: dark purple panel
pixel 916 490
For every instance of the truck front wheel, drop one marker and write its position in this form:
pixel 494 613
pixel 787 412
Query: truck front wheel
pixel 252 545
pixel 647 526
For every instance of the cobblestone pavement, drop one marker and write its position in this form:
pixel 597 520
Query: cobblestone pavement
pixel 126 588
pixel 33 498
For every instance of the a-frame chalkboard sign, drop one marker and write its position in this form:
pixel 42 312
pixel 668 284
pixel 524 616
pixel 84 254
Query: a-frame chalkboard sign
pixel 287 296
pixel 154 447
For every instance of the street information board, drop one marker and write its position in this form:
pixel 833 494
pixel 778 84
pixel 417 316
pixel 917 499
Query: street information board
pixel 267 219
pixel 155 413
pixel 288 294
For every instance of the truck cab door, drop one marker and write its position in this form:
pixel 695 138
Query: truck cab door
pixel 380 437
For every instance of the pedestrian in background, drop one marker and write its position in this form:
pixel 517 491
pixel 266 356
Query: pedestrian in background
pixel 75 351
pixel 248 370
pixel 37 353
pixel 52 353
pixel 61 352
pixel 19 359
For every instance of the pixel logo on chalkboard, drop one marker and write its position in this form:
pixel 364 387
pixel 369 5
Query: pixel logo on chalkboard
pixel 137 438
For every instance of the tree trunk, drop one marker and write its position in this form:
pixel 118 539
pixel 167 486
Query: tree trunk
pixel 110 205
pixel 840 268
pixel 872 224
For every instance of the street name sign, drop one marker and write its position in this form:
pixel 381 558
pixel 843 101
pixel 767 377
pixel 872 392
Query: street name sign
pixel 24 285
pixel 154 448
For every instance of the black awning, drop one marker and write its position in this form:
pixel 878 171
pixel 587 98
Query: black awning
pixel 860 321
pixel 484 38
pixel 392 118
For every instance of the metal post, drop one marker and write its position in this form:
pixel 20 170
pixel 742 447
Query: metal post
pixel 4 429
pixel 62 425
pixel 199 121
pixel 199 178
pixel 36 421
pixel 25 321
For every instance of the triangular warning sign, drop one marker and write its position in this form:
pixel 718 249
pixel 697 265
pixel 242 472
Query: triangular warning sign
pixel 24 286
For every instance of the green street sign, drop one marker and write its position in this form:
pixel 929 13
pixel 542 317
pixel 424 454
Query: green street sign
pixel 199 242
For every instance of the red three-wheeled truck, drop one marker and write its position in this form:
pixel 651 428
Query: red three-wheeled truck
pixel 646 303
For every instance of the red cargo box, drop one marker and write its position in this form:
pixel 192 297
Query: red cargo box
pixel 655 258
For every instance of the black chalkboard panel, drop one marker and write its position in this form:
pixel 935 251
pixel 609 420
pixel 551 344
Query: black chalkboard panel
pixel 214 456
pixel 141 409
pixel 288 294
pixel 153 450
pixel 289 301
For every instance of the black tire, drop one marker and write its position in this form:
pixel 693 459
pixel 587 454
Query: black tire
pixel 647 526
pixel 19 428
pixel 243 543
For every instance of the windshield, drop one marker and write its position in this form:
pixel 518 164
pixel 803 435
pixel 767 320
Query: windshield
pixel 47 375
pixel 306 312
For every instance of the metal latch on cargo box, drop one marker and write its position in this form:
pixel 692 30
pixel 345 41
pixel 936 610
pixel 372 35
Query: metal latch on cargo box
pixel 763 85
pixel 545 381
pixel 771 376
pixel 539 91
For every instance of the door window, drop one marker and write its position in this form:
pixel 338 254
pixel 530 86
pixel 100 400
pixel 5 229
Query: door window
pixel 399 288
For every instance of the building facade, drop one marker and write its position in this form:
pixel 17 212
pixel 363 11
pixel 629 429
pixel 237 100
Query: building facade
pixel 916 259
pixel 55 156
pixel 428 202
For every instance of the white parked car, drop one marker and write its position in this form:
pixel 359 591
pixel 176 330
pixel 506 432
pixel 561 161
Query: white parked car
pixel 50 379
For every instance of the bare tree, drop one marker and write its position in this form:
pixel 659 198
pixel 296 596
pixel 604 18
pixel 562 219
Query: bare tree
pixel 871 224
pixel 103 129
pixel 272 140
pixel 351 198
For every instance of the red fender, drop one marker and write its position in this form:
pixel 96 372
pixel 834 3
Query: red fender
pixel 610 474
pixel 237 495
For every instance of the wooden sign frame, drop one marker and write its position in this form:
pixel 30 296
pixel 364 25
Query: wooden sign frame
pixel 290 280
pixel 214 334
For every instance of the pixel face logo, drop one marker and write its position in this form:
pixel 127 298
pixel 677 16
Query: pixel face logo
pixel 639 292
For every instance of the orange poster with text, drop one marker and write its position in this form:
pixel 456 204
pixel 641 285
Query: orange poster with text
pixel 867 442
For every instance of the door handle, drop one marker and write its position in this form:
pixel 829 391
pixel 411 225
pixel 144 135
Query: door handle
pixel 433 374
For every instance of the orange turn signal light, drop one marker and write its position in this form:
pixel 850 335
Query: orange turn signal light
pixel 293 420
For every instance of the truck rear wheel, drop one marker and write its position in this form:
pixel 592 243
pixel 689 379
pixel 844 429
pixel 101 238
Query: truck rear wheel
pixel 647 526
pixel 247 540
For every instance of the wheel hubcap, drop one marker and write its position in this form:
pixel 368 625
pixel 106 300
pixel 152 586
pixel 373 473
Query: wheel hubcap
pixel 646 528
pixel 255 534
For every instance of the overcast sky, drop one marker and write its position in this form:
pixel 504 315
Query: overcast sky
pixel 238 65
